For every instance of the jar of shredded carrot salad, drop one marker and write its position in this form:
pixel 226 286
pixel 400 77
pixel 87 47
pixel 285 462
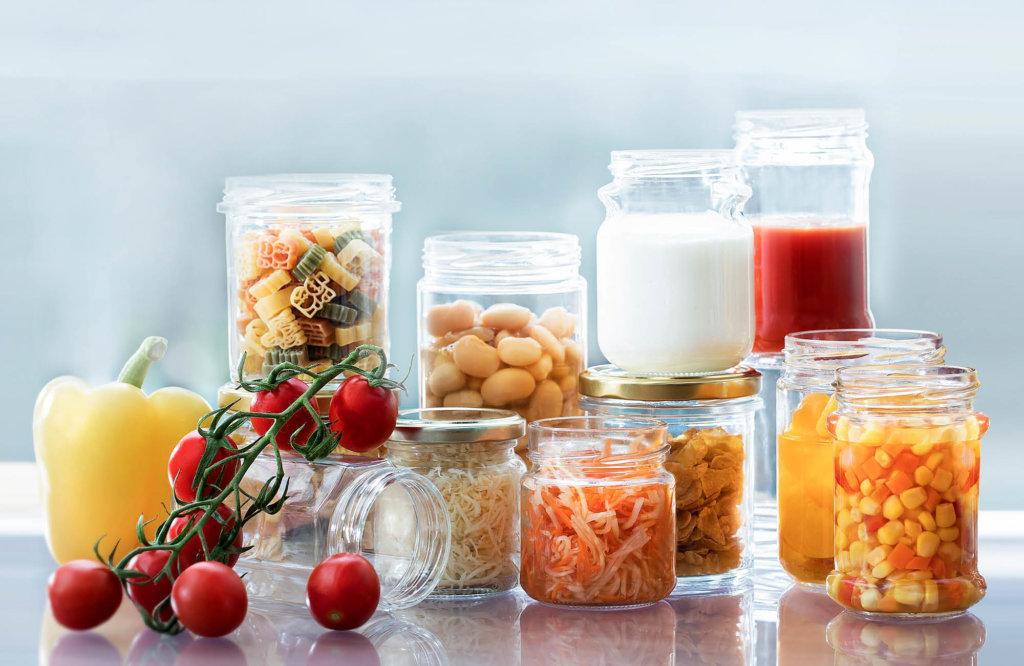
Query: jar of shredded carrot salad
pixel 598 513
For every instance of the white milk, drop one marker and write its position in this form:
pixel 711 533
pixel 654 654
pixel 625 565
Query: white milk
pixel 675 292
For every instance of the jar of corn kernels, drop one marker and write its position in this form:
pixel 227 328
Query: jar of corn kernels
pixel 308 263
pixel 907 460
pixel 502 323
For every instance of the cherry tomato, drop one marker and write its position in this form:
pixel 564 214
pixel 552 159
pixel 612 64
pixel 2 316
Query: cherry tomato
pixel 364 415
pixel 83 594
pixel 184 462
pixel 145 591
pixel 210 599
pixel 343 591
pixel 278 400
pixel 192 551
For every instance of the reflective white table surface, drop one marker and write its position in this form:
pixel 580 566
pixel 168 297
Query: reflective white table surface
pixel 800 627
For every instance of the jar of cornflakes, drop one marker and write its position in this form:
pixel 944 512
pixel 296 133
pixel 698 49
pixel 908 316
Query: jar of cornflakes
pixel 804 402
pixel 711 431
pixel 308 263
pixel 907 461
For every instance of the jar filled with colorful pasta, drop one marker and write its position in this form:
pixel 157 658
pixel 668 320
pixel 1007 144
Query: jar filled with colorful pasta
pixel 805 400
pixel 308 264
pixel 502 322
pixel 907 462
pixel 468 454
pixel 710 422
pixel 598 513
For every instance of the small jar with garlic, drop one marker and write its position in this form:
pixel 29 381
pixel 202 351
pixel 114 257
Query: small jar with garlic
pixel 502 322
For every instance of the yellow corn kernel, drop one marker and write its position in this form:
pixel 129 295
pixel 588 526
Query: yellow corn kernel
pixel 858 551
pixel 843 429
pixel 945 515
pixel 950 495
pixel 892 508
pixel 842 541
pixel 923 447
pixel 891 532
pixel 934 460
pixel 926 520
pixel 873 436
pixel 843 560
pixel 870 507
pixel 949 533
pixel 912 528
pixel 973 429
pixel 923 574
pixel 866 487
pixel 852 500
pixel 941 480
pixel 878 554
pixel 931 595
pixel 927 544
pixel 914 497
pixel 883 458
pixel 906 540
pixel 882 569
pixel 855 514
pixel 888 603
pixel 862 532
pixel 949 551
pixel 922 476
pixel 908 592
pixel 843 520
pixel 869 599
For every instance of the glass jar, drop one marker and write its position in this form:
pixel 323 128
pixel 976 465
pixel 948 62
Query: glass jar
pixel 344 504
pixel 809 171
pixel 598 513
pixel 469 455
pixel 672 244
pixel 858 641
pixel 710 422
pixel 805 474
pixel 308 263
pixel 907 461
pixel 502 322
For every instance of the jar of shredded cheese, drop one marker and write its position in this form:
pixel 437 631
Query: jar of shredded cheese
pixel 598 513
pixel 469 455
pixel 711 433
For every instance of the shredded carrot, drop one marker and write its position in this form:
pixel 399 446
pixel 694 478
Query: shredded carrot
pixel 597 543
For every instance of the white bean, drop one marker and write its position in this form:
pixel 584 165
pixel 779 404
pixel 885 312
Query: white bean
pixel 507 385
pixel 506 315
pixel 519 351
pixel 475 357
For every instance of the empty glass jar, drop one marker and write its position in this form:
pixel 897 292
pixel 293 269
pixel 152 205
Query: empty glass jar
pixel 308 263
pixel 469 455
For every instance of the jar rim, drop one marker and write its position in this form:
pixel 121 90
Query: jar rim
pixel 671 162
pixel 889 387
pixel 815 355
pixel 590 428
pixel 609 381
pixel 531 256
pixel 799 123
pixel 314 194
pixel 465 425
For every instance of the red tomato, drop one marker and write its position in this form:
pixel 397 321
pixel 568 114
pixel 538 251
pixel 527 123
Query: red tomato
pixel 210 599
pixel 143 590
pixel 364 415
pixel 184 462
pixel 343 591
pixel 278 400
pixel 83 594
pixel 192 551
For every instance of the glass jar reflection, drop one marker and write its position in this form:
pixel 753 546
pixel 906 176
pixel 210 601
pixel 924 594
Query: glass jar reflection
pixel 952 642
pixel 714 629
pixel 803 615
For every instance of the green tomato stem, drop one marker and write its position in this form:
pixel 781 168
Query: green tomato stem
pixel 135 370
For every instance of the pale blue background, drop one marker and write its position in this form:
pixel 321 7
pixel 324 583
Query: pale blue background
pixel 120 120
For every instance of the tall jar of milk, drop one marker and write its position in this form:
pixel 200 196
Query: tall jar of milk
pixel 675 263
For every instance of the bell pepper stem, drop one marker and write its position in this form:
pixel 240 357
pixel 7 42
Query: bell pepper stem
pixel 134 371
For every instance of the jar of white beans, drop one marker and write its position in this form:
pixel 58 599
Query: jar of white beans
pixel 502 323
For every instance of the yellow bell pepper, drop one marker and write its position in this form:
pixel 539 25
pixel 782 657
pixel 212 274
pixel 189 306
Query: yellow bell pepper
pixel 102 455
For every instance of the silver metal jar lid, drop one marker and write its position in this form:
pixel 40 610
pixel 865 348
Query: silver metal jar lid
pixel 458 424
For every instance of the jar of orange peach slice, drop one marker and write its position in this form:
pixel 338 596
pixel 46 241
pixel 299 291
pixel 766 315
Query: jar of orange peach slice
pixel 502 323
pixel 907 460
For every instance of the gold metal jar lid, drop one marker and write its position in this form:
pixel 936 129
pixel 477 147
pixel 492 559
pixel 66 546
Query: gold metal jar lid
pixel 242 399
pixel 447 425
pixel 608 381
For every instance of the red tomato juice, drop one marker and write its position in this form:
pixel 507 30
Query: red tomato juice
pixel 809 277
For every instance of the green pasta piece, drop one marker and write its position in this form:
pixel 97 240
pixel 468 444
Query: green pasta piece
pixel 360 301
pixel 337 312
pixel 308 263
pixel 276 355
pixel 337 352
pixel 347 237
pixel 317 352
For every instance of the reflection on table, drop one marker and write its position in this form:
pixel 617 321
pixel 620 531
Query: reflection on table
pixel 949 642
